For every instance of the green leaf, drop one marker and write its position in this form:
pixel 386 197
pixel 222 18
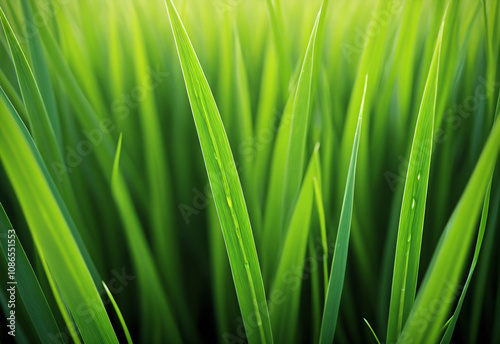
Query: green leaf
pixel 39 121
pixel 295 156
pixel 226 189
pixel 51 227
pixel 482 226
pixel 439 287
pixel 411 221
pixel 339 264
pixel 288 281
pixel 158 319
pixel 119 313
pixel 27 283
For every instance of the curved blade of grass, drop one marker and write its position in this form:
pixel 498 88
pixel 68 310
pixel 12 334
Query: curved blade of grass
pixel 226 189
pixel 292 260
pixel 439 287
pixel 322 226
pixel 339 264
pixel 411 221
pixel 277 204
pixel 294 166
pixel 40 124
pixel 157 315
pixel 51 227
pixel 14 97
pixel 41 71
pixel 272 240
pixel 482 226
pixel 479 290
pixel 119 313
pixel 371 330
pixel 27 284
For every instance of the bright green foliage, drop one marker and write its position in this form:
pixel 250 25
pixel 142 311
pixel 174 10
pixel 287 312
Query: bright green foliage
pixel 278 214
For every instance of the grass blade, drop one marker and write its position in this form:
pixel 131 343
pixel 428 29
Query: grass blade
pixel 50 226
pixel 482 226
pixel 119 313
pixel 298 128
pixel 27 283
pixel 292 259
pixel 443 273
pixel 411 221
pixel 157 315
pixel 226 189
pixel 339 264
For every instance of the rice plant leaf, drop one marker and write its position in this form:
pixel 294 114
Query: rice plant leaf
pixel 292 259
pixel 40 70
pixel 411 221
pixel 158 319
pixel 119 313
pixel 296 149
pixel 439 287
pixel 280 202
pixel 226 189
pixel 40 124
pixel 339 263
pixel 27 283
pixel 50 225
pixel 482 226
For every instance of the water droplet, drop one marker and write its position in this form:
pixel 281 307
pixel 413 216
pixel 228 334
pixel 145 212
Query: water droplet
pixel 418 177
pixel 247 266
pixel 409 238
pixel 413 203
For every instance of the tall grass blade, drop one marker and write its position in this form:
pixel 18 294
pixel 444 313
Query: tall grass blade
pixel 50 226
pixel 439 286
pixel 27 283
pixel 226 189
pixel 339 264
pixel 411 221
pixel 157 314
pixel 292 259
pixel 296 150
pixel 482 226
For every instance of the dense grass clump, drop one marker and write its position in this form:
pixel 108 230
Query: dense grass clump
pixel 250 171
